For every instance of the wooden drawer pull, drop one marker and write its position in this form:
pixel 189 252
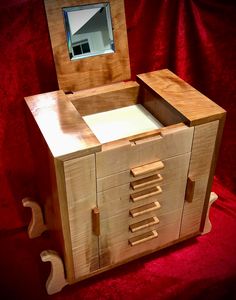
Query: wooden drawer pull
pixel 146 193
pixel 144 224
pixel 135 212
pixel 189 190
pixel 96 221
pixel 142 183
pixel 157 165
pixel 143 238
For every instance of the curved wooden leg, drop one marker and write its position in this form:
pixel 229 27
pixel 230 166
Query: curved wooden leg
pixel 56 280
pixel 208 226
pixel 36 226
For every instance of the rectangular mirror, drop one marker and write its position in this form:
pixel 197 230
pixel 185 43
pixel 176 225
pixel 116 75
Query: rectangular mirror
pixel 88 30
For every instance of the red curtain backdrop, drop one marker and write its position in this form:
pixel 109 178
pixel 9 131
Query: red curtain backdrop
pixel 196 39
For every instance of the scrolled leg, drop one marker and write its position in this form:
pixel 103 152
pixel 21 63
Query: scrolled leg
pixel 208 226
pixel 56 280
pixel 37 225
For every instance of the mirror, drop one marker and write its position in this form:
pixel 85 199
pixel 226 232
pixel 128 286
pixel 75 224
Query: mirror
pixel 88 30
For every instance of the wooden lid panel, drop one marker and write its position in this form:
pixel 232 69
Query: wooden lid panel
pixel 93 71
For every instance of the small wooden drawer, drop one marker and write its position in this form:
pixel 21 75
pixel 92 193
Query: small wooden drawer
pixel 175 168
pixel 173 141
pixel 147 193
pixel 144 224
pixel 146 182
pixel 135 212
pixel 147 169
pixel 118 246
pixel 143 238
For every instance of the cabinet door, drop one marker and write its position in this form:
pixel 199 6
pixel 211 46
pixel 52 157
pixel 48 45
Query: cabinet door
pixel 80 182
pixel 141 198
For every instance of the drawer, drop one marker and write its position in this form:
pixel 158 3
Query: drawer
pixel 117 201
pixel 114 251
pixel 174 168
pixel 168 143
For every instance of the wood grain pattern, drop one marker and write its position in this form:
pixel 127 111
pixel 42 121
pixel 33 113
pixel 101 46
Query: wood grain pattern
pixel 141 210
pixel 104 98
pixel 193 106
pixel 174 169
pixel 64 130
pixel 132 155
pixel 146 182
pixel 146 193
pixel 144 224
pixel 143 238
pixel 199 170
pixel 148 168
pixel 93 71
pixel 80 181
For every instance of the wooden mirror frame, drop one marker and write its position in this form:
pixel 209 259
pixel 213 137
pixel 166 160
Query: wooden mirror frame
pixel 74 75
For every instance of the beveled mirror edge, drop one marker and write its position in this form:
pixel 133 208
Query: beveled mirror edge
pixel 67 10
pixel 93 71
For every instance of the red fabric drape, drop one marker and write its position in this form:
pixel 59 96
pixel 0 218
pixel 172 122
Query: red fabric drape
pixel 196 39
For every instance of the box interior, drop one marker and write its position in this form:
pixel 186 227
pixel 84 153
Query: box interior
pixel 121 122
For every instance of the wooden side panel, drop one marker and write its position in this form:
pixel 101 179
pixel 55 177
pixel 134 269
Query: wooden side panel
pixel 200 165
pixel 186 101
pixel 81 199
pixel 93 71
pixel 64 130
pixel 105 98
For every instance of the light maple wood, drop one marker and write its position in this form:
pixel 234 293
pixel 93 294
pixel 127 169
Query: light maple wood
pixel 189 190
pixel 63 129
pixel 175 168
pixel 90 175
pixel 96 221
pixel 93 71
pixel 146 182
pixel 138 196
pixel 80 183
pixel 144 224
pixel 37 225
pixel 143 238
pixel 208 226
pixel 151 150
pixel 199 170
pixel 148 168
pixel 135 212
pixel 105 98
pixel 132 155
pixel 193 107
pixel 121 251
pixel 56 280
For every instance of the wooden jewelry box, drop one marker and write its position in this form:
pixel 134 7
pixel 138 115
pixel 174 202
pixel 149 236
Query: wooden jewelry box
pixel 131 163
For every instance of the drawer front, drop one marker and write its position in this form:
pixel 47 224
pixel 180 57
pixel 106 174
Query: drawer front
pixel 132 214
pixel 175 168
pixel 129 246
pixel 171 142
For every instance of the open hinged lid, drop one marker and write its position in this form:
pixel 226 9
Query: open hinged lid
pixel 82 27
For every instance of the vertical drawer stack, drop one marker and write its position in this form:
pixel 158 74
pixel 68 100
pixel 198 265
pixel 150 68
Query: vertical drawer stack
pixel 140 194
pixel 145 185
